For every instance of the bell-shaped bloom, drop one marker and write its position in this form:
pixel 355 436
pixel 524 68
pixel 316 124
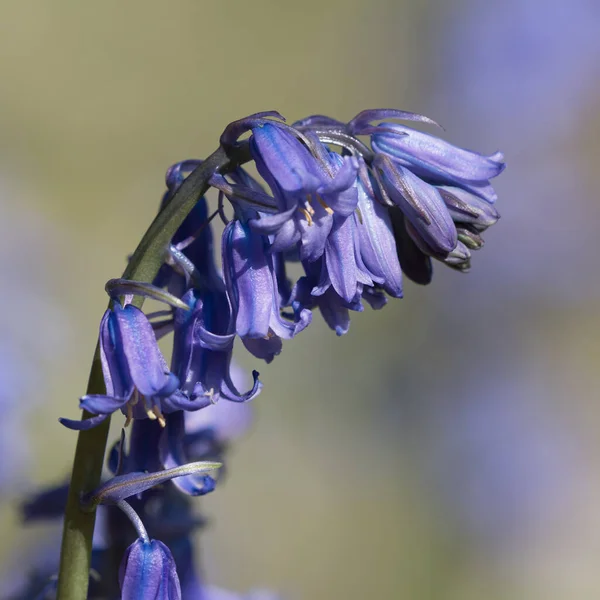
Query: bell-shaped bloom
pixel 343 268
pixel 438 161
pixel 148 571
pixel 252 289
pixel 376 241
pixel 421 204
pixel 203 347
pixel 308 191
pixel 136 376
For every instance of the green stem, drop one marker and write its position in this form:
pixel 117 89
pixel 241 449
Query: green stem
pixel 147 259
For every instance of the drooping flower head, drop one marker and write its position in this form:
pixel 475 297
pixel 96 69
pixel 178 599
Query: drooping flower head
pixel 353 213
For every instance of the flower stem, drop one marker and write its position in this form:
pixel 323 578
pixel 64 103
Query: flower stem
pixel 135 520
pixel 147 259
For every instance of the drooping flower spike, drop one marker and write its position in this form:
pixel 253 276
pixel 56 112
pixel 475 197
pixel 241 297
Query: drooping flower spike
pixel 356 205
pixel 356 220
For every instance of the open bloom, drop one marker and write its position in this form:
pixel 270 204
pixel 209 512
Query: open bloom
pixel 203 347
pixel 307 190
pixel 136 375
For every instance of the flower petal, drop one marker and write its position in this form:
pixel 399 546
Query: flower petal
pixel 430 156
pixel 84 424
pixel 377 243
pixel 465 207
pixel 248 279
pixel 101 405
pixel 147 366
pixel 148 571
pixel 421 203
pixel 283 161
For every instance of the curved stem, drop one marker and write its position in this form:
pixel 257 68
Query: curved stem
pixel 147 259
pixel 135 521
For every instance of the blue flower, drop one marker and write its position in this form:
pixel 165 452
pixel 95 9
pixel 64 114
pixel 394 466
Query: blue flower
pixel 308 190
pixel 438 161
pixel 253 292
pixel 136 376
pixel 148 572
pixel 377 245
pixel 202 349
pixel 421 204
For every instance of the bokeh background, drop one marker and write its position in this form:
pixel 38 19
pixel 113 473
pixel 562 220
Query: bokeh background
pixel 448 446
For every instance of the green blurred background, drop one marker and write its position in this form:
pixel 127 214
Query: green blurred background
pixel 447 446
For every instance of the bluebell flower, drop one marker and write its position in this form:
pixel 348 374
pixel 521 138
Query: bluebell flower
pixel 203 346
pixel 252 289
pixel 438 161
pixel 148 571
pixel 376 242
pixel 421 204
pixel 137 378
pixel 307 190
pixel 356 220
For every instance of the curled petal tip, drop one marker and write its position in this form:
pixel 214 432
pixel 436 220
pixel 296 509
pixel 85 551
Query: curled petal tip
pixel 83 424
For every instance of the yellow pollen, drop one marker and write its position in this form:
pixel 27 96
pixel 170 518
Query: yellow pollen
pixel 211 395
pixel 359 214
pixel 150 414
pixel 307 215
pixel 324 204
pixel 161 418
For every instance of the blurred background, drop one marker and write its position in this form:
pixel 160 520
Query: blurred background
pixel 448 446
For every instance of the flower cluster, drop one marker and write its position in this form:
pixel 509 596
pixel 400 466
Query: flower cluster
pixel 353 220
